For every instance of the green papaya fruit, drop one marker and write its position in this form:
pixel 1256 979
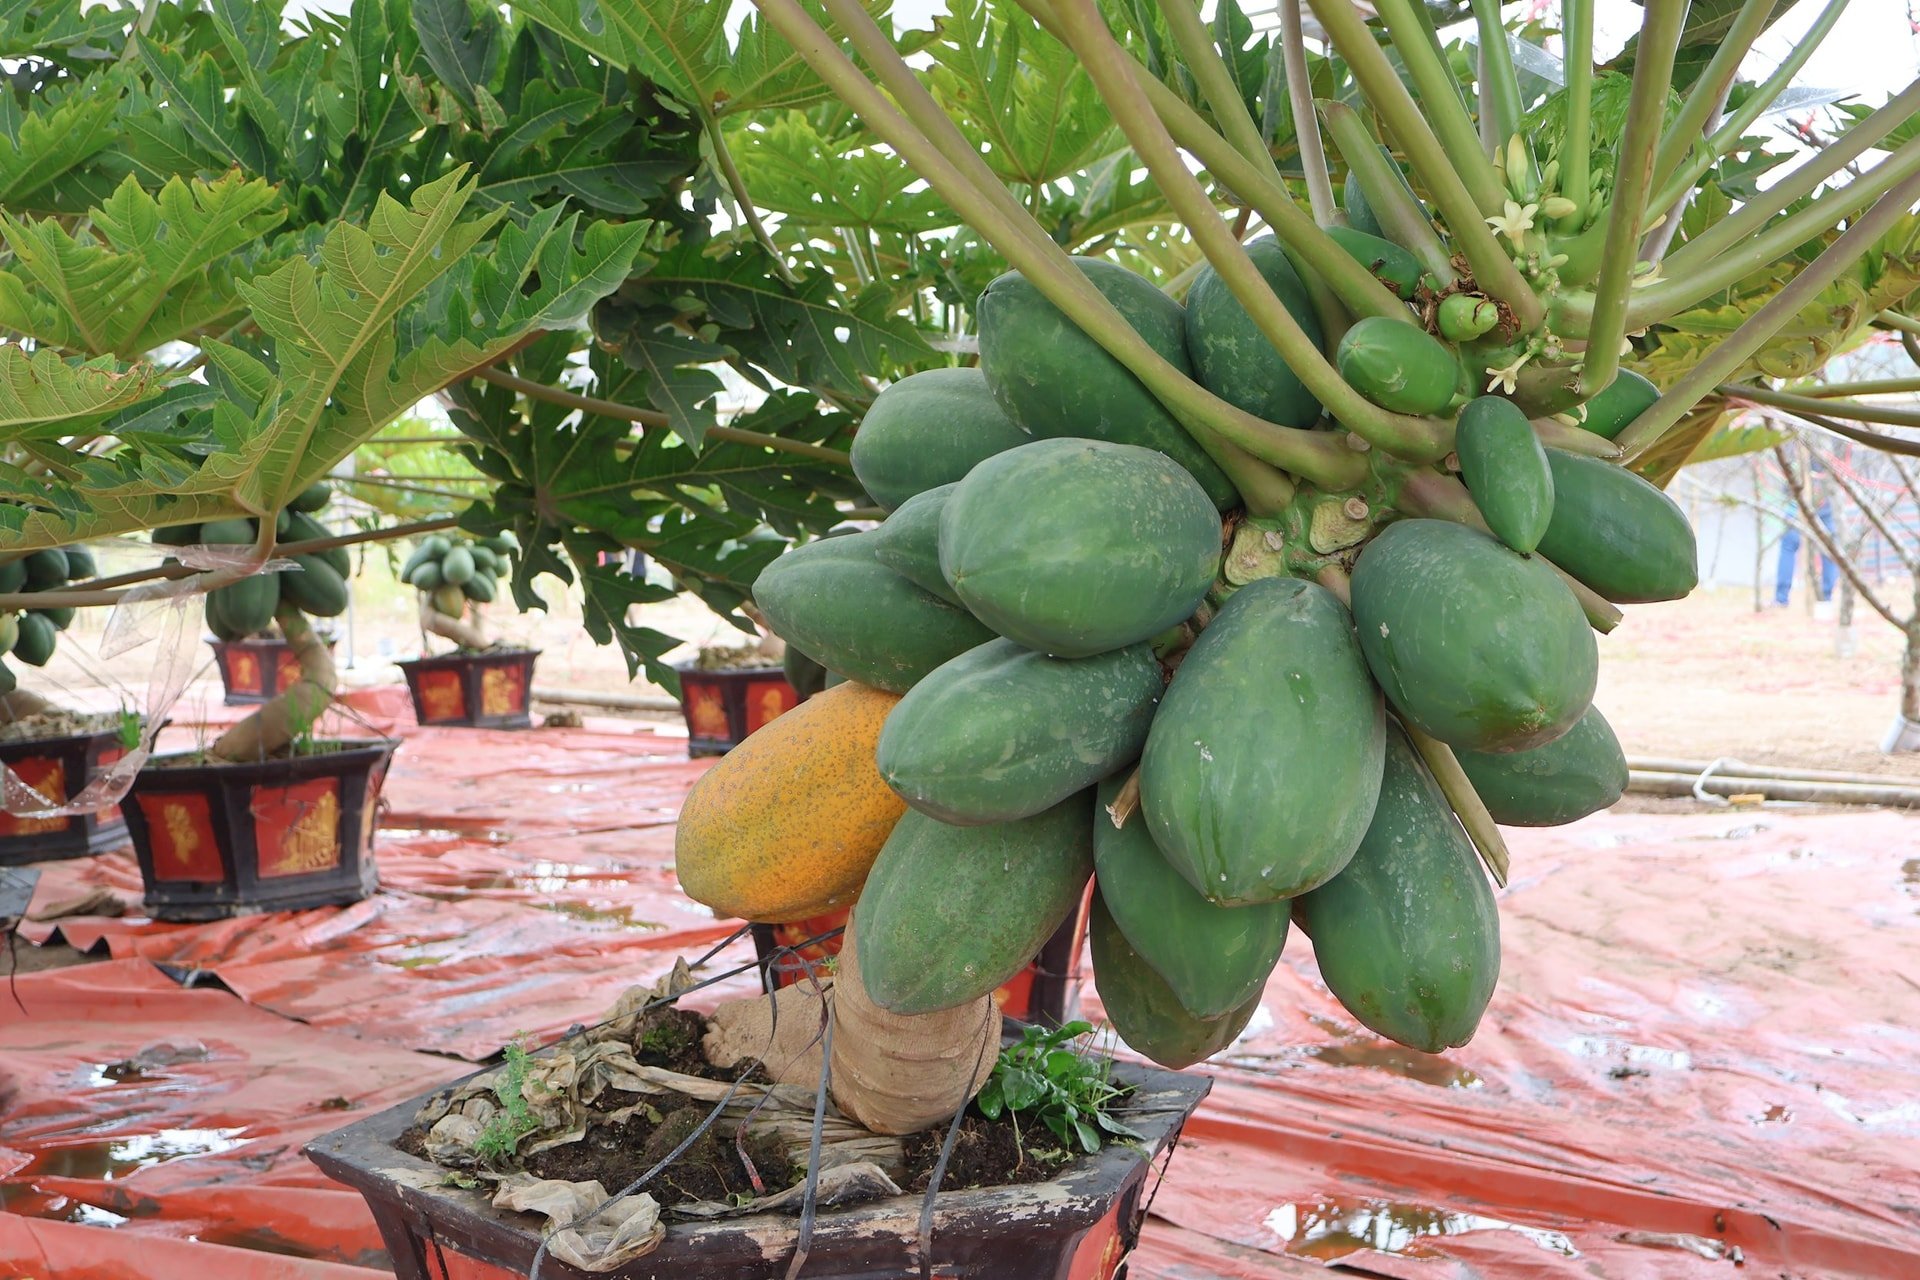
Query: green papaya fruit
pixel 1360 214
pixel 281 520
pixel 1621 401
pixel 312 498
pixel 1474 644
pixel 456 566
pixel 1617 533
pixel 61 616
pixel 949 913
pixel 805 675
pixel 314 588
pixel 1001 732
pixel 908 541
pixel 1233 359
pixel 9 631
pixel 1214 958
pixel 212 604
pixel 412 564
pixel 1505 470
pixel 235 532
pixel 80 564
pixel 1054 380
pixel 38 636
pixel 1263 762
pixel 840 606
pixel 480 587
pixel 1074 547
pixel 1391 265
pixel 449 600
pixel 46 568
pixel 927 430
pixel 176 535
pixel 13 576
pixel 8 682
pixel 426 575
pixel 1144 1010
pixel 248 605
pixel 1407 937
pixel 505 543
pixel 438 545
pixel 304 528
pixel 1581 772
pixel 485 562
pixel 1462 317
pixel 1398 367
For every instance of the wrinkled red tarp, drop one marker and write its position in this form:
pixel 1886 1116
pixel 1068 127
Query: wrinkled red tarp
pixel 1703 1047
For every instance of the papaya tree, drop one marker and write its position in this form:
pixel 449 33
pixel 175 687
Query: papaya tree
pixel 1276 601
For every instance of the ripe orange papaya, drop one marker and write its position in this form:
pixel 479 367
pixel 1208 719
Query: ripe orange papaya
pixel 788 823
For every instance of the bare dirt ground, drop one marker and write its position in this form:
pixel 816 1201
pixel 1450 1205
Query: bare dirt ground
pixel 1698 679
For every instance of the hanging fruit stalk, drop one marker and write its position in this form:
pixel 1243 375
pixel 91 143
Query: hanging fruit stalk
pixel 1085 647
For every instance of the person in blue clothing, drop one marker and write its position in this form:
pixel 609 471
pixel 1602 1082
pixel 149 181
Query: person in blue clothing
pixel 1790 557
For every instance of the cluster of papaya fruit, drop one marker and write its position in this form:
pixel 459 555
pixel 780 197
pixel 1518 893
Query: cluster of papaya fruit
pixel 1070 657
pixel 452 571
pixel 31 634
pixel 316 585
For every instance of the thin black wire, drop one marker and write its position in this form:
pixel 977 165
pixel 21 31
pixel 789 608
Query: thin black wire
pixel 940 1165
pixel 809 1199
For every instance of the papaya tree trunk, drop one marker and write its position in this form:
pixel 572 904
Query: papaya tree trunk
pixel 463 633
pixel 22 704
pixel 296 708
pixel 1910 666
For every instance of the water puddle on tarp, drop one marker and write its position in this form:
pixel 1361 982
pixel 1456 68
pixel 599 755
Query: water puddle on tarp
pixel 1328 1230
pixel 110 1158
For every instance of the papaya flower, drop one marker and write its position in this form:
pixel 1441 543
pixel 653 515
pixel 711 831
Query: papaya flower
pixel 1514 221
pixel 1507 377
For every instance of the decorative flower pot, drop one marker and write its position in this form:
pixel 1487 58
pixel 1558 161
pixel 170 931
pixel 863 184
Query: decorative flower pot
pixel 1039 993
pixel 58 768
pixel 722 707
pixel 257 668
pixel 219 840
pixel 1079 1226
pixel 488 690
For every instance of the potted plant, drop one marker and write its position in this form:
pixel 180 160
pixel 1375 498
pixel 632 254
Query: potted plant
pixel 48 752
pixel 728 693
pixel 481 684
pixel 256 665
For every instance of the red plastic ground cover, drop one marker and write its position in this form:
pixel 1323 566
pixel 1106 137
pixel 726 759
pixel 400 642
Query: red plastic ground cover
pixel 1704 1041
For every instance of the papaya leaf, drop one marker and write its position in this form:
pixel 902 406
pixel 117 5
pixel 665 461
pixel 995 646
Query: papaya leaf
pixel 461 42
pixel 150 270
pixel 389 313
pixel 1017 90
pixel 792 168
pixel 43 396
pixel 610 596
pixel 55 133
pixel 30 29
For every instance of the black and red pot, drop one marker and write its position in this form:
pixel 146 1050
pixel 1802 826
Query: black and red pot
pixel 219 840
pixel 1081 1225
pixel 257 668
pixel 722 707
pixel 58 768
pixel 491 689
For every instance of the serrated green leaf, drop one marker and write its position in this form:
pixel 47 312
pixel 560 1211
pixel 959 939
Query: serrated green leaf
pixel 42 395
pixel 149 271
pixel 51 136
pixel 791 168
pixel 461 41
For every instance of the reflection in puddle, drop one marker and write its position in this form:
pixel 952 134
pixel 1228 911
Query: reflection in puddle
pixel 1634 1055
pixel 1426 1068
pixel 112 1158
pixel 1331 1229
pixel 145 1067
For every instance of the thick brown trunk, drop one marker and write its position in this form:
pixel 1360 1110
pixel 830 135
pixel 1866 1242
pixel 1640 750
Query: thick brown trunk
pixel 1910 671
pixel 294 710
pixel 462 633
pixel 22 703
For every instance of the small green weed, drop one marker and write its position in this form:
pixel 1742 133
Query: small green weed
pixel 129 729
pixel 501 1137
pixel 1049 1078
